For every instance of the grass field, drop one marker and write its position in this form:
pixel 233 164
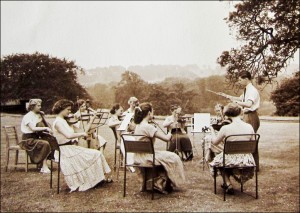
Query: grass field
pixel 278 182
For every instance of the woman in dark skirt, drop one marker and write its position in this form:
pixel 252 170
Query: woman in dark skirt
pixel 34 135
pixel 180 140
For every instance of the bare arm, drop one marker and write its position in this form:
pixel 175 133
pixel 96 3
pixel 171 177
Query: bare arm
pixel 167 123
pixel 39 129
pixel 216 139
pixel 163 136
pixel 70 135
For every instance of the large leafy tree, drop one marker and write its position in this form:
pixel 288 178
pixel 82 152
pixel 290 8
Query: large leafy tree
pixel 26 76
pixel 286 97
pixel 131 84
pixel 269 35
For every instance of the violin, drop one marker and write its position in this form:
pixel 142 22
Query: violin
pixel 221 118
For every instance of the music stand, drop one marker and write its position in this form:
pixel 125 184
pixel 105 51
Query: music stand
pixel 200 124
pixel 100 119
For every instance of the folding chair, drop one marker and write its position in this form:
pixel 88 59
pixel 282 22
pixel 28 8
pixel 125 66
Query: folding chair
pixel 133 145
pixel 12 141
pixel 238 146
pixel 56 148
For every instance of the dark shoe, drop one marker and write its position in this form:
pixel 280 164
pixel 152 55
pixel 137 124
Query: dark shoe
pixel 189 156
pixel 230 190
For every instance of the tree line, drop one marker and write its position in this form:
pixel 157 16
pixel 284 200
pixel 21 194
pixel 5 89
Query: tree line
pixel 26 76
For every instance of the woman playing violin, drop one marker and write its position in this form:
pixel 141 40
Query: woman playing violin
pixel 180 140
pixel 37 148
pixel 83 168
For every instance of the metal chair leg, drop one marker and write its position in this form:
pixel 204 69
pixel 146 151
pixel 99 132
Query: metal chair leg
pixel 115 158
pixel 215 181
pixel 224 182
pixel 124 180
pixel 58 176
pixel 145 179
pixel 26 164
pixel 152 183
pixel 242 185
pixel 51 168
pixel 256 184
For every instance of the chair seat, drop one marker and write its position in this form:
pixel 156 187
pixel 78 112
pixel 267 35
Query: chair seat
pixel 143 165
pixel 14 147
pixel 234 167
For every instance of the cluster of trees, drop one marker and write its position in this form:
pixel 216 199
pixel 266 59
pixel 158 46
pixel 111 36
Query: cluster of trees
pixel 268 31
pixel 26 76
pixel 286 97
pixel 192 95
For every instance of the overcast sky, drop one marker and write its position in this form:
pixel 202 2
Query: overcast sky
pixel 119 33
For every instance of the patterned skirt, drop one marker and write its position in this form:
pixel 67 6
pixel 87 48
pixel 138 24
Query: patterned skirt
pixel 82 168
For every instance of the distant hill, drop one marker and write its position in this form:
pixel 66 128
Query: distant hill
pixel 149 73
pixel 158 73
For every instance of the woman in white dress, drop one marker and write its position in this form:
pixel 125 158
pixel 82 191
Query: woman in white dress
pixel 114 122
pixel 82 168
pixel 172 175
pixel 237 126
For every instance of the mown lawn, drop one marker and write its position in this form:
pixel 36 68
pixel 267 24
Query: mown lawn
pixel 278 182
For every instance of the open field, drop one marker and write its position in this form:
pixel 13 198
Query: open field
pixel 278 182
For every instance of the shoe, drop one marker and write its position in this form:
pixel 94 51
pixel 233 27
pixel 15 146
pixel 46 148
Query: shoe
pixel 109 180
pixel 131 169
pixel 45 171
pixel 228 188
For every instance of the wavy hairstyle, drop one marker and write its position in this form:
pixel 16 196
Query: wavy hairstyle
pixel 61 105
pixel 141 112
pixel 114 109
pixel 232 110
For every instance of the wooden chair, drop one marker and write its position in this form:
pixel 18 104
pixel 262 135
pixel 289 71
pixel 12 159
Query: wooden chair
pixel 56 148
pixel 133 145
pixel 12 141
pixel 238 146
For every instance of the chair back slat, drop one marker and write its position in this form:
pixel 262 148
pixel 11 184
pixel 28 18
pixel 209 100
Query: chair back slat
pixel 240 145
pixel 11 135
pixel 133 144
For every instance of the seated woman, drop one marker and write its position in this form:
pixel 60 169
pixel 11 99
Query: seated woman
pixel 114 122
pixel 172 174
pixel 237 126
pixel 83 114
pixel 180 140
pixel 83 168
pixel 37 148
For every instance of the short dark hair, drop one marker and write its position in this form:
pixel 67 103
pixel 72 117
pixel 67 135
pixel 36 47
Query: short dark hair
pixel 141 112
pixel 115 108
pixel 61 105
pixel 174 107
pixel 245 74
pixel 232 110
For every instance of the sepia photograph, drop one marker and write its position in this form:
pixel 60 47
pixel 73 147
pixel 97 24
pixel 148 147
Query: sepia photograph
pixel 150 106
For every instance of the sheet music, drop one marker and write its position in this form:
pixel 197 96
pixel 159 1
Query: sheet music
pixel 201 120
pixel 125 122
